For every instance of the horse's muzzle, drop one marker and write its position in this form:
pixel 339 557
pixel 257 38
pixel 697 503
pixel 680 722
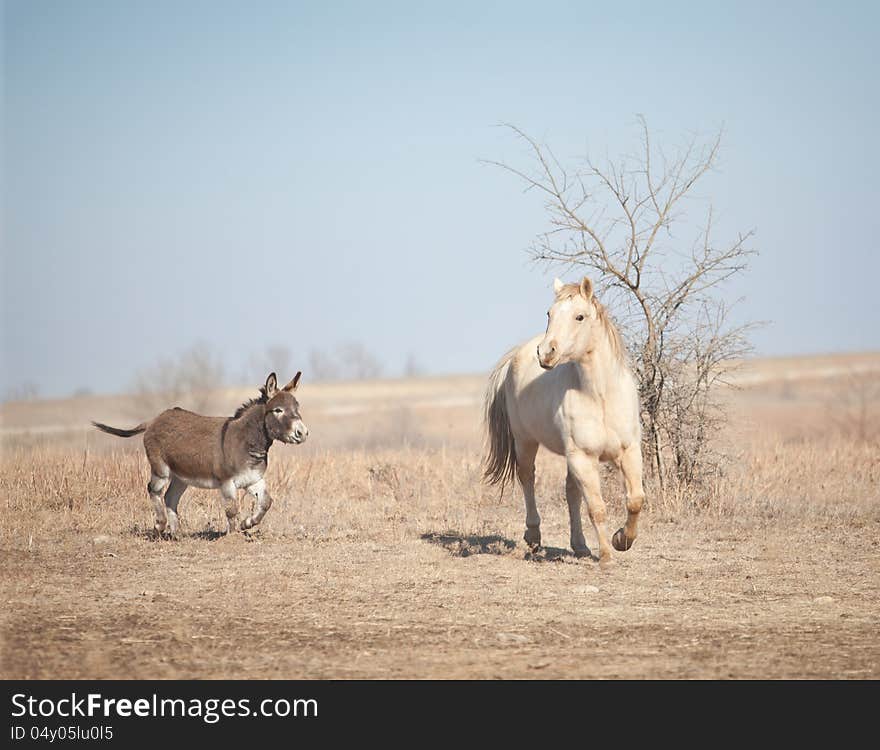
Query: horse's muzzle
pixel 549 358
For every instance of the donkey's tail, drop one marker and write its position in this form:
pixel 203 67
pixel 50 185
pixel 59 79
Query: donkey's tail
pixel 122 433
pixel 499 463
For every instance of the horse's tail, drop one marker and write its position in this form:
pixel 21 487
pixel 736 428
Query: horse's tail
pixel 499 464
pixel 121 433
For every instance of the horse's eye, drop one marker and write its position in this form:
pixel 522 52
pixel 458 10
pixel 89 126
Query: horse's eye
pixel 579 318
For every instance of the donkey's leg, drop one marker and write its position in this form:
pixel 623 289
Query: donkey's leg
pixel 631 467
pixel 159 479
pixel 230 505
pixel 172 498
pixel 264 502
pixel 585 470
pixel 525 472
pixel 573 496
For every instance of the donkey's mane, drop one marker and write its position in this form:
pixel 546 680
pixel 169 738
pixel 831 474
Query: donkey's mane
pixel 617 347
pixel 261 399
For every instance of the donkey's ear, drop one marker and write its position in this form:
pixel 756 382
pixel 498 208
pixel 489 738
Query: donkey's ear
pixel 271 387
pixel 291 386
pixel 557 285
pixel 587 289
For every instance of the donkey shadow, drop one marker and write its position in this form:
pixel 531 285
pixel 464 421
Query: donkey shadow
pixel 465 545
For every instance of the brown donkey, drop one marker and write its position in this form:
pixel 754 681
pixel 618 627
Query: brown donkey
pixel 225 453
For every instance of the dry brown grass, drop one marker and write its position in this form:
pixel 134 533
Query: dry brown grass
pixel 385 556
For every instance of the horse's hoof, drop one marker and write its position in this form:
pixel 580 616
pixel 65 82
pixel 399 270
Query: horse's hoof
pixel 583 553
pixel 606 563
pixel 620 541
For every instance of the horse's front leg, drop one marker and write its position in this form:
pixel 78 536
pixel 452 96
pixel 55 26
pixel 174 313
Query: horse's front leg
pixel 584 469
pixel 263 503
pixel 631 468
pixel 573 496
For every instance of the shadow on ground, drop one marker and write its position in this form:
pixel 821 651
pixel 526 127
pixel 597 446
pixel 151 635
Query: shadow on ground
pixel 464 545
pixel 555 554
pixel 205 535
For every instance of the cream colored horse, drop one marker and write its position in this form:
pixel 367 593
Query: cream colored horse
pixel 571 391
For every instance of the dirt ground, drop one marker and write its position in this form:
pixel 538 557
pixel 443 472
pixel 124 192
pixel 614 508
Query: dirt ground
pixel 390 560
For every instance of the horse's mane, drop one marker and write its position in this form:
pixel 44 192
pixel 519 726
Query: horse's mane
pixel 261 399
pixel 614 339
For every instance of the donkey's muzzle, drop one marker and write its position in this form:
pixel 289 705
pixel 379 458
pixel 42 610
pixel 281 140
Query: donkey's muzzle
pixel 299 433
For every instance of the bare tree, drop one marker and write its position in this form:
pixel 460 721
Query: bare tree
pixel 323 366
pixel 350 361
pixel 615 221
pixel 187 380
pixel 275 358
pixel 26 391
pixel 855 408
pixel 412 368
pixel 358 363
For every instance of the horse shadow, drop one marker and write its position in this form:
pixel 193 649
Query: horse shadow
pixel 557 555
pixel 205 535
pixel 465 545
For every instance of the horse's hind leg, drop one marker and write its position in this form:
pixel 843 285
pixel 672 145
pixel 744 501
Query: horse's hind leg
pixel 631 468
pixel 525 472
pixel 172 497
pixel 584 469
pixel 573 496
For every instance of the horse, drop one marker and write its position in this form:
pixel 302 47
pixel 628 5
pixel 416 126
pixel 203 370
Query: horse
pixel 225 453
pixel 572 391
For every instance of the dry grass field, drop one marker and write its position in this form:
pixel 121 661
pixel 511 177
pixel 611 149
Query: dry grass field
pixel 384 556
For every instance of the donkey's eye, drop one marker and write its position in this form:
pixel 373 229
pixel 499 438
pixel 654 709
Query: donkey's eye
pixel 579 318
pixel 278 410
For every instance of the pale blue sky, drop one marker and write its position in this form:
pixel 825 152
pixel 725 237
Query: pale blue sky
pixel 305 174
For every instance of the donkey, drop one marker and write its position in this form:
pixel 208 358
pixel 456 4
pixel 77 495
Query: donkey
pixel 225 453
pixel 571 391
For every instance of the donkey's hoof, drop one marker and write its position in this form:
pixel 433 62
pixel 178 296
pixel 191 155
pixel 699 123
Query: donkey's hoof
pixel 532 538
pixel 583 552
pixel 620 541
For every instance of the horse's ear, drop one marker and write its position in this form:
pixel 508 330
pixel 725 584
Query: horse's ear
pixel 587 289
pixel 271 387
pixel 557 285
pixel 291 386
